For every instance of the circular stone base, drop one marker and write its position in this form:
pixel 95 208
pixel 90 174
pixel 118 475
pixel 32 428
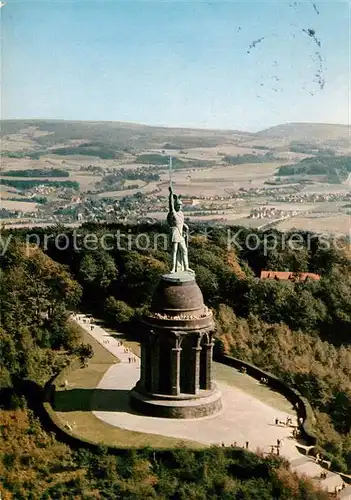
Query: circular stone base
pixel 179 277
pixel 176 408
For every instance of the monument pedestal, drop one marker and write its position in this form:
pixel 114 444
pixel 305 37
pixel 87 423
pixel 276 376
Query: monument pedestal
pixel 182 406
pixel 176 353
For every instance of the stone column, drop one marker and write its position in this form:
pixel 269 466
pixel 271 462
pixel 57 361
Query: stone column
pixel 143 364
pixel 208 365
pixel 175 370
pixel 155 365
pixel 195 370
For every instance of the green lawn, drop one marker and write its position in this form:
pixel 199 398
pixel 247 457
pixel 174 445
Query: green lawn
pixel 248 384
pixel 73 406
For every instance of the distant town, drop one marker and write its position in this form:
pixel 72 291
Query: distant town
pixel 235 178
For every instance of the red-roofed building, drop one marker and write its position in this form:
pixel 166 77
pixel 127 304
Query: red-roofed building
pixel 288 276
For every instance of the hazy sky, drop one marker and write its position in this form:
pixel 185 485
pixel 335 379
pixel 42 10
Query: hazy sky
pixel 182 63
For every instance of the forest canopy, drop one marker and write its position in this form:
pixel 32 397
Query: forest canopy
pixel 335 168
pixel 299 331
pixel 118 285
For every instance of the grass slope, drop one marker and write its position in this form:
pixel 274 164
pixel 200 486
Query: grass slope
pixel 82 382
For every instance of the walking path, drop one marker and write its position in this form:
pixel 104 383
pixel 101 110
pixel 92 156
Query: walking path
pixel 243 419
pixel 111 344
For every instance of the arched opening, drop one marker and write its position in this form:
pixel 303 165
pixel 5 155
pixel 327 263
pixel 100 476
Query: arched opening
pixel 186 371
pixel 203 363
pixel 147 369
pixel 164 366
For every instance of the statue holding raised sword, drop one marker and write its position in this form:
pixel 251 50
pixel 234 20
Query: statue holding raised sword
pixel 179 230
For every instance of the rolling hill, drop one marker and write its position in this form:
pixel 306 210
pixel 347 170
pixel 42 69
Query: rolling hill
pixel 50 133
pixel 307 131
pixel 36 135
pixel 308 136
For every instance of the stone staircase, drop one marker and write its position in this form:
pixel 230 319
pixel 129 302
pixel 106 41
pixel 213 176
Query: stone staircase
pixel 333 483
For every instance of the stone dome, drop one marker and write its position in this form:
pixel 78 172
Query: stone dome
pixel 177 294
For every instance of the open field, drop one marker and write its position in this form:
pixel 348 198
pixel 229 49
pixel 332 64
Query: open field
pixel 228 173
pixel 218 181
pixel 335 224
pixel 228 218
pixel 23 206
pixel 148 188
pixel 9 192
pixel 214 153
pixel 86 181
pixel 328 188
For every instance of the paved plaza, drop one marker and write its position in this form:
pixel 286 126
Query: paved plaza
pixel 243 419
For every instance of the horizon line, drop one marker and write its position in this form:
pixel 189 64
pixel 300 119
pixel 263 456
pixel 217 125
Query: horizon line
pixel 208 129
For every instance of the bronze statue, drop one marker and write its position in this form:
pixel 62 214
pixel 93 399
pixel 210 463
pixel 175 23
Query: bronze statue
pixel 179 234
